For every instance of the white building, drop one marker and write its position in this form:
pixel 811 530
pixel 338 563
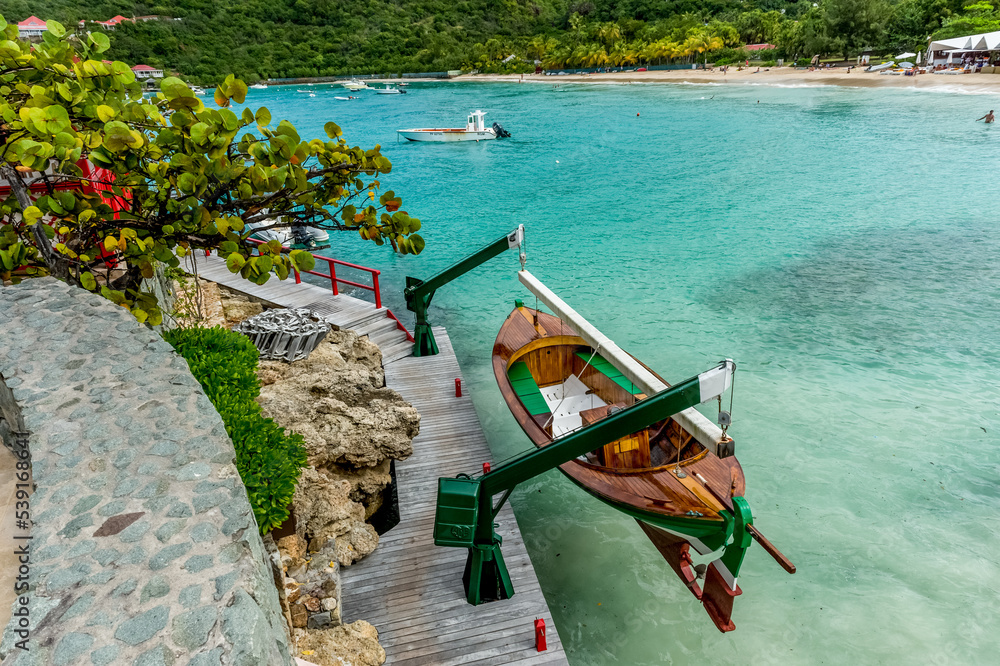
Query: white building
pixel 147 72
pixel 31 27
pixel 954 50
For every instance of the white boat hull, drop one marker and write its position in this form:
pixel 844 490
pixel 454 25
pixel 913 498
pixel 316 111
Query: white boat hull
pixel 447 135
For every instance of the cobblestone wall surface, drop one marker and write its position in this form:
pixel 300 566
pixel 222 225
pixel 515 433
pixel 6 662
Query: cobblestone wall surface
pixel 144 548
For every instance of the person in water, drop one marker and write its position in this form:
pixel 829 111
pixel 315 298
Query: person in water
pixel 988 117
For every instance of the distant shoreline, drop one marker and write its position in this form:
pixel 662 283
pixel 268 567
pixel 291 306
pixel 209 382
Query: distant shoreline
pixel 776 76
pixel 779 77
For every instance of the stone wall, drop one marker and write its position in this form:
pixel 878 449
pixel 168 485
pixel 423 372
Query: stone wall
pixel 143 549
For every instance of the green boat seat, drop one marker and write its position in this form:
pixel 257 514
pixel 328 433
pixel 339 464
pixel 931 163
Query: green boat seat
pixel 527 389
pixel 603 366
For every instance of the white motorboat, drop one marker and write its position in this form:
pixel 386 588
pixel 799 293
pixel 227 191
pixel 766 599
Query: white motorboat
pixel 878 68
pixel 197 90
pixel 344 99
pixel 389 90
pixel 474 130
pixel 307 237
pixel 354 84
pixel 258 86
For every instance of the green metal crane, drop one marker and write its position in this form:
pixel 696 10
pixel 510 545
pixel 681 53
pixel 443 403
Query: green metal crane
pixel 419 293
pixel 465 509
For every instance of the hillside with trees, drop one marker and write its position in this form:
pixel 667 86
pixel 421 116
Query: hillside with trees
pixel 207 39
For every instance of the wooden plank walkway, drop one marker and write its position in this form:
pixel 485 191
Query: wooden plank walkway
pixel 342 310
pixel 410 589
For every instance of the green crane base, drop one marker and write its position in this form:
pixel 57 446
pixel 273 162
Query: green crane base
pixel 486 578
pixel 423 340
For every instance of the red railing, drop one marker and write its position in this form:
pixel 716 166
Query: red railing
pixel 334 280
pixel 332 275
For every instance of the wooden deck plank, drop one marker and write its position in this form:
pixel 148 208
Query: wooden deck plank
pixel 412 590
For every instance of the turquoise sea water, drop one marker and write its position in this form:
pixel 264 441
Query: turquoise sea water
pixel 840 244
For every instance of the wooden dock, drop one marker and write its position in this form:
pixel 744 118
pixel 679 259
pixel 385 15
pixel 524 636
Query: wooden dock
pixel 410 589
pixel 341 310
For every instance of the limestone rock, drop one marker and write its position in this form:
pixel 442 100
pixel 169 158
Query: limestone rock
pixel 237 311
pixel 354 644
pixel 367 483
pixel 292 545
pixel 324 510
pixel 336 400
pixel 299 615
pixel 356 544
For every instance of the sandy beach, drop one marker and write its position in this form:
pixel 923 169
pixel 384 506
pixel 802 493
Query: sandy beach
pixel 778 76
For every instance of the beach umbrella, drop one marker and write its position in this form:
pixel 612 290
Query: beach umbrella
pixel 920 58
pixel 906 65
pixel 950 55
pixel 901 56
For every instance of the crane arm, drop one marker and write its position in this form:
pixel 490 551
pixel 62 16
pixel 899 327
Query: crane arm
pixel 418 293
pixel 690 392
pixel 465 511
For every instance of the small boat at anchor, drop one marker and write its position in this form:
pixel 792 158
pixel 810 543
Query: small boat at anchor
pixel 258 86
pixel 678 478
pixel 474 130
pixel 354 85
pixel 389 90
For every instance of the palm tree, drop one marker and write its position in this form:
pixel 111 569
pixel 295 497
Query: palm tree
pixel 703 42
pixel 537 48
pixel 653 50
pixel 608 34
pixel 556 58
pixel 494 50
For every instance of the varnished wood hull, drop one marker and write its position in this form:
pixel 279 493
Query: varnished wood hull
pixel 676 511
pixel 653 495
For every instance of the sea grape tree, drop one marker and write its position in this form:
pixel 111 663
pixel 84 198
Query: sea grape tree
pixel 104 182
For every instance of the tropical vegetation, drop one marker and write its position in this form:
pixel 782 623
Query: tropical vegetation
pixel 172 176
pixel 207 39
pixel 269 459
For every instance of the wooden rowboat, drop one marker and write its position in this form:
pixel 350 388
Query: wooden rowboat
pixel 677 478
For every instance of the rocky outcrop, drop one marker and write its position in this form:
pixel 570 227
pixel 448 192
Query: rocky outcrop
pixel 352 426
pixel 324 510
pixel 337 400
pixel 354 644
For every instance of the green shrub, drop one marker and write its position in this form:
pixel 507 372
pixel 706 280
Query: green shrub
pixel 269 459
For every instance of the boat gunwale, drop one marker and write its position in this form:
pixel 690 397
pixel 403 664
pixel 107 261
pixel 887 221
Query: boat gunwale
pixel 629 500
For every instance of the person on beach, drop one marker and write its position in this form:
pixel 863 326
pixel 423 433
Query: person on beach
pixel 988 117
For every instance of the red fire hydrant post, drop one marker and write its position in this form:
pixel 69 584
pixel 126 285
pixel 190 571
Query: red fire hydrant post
pixel 458 387
pixel 540 635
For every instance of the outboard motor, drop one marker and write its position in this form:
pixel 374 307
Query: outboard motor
pixel 500 131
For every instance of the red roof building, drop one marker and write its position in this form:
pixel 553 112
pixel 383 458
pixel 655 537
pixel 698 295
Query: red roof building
pixel 147 72
pixel 759 47
pixel 110 23
pixel 31 27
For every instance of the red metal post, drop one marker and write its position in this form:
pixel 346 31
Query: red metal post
pixel 378 294
pixel 486 468
pixel 458 387
pixel 540 635
pixel 333 278
pixel 298 278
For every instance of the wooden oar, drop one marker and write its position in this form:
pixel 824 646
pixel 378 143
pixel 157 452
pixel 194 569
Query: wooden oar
pixel 778 556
